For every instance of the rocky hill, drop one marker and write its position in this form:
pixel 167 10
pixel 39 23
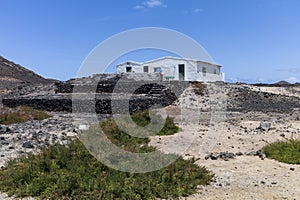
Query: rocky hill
pixel 13 75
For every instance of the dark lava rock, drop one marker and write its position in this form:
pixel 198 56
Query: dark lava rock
pixel 223 155
pixel 4 129
pixel 144 97
pixel 258 153
pixel 5 142
pixel 20 152
pixel 239 154
pixel 246 100
pixel 28 145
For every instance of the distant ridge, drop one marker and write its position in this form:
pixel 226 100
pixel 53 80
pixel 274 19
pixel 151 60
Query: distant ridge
pixel 282 83
pixel 13 75
pixel 277 84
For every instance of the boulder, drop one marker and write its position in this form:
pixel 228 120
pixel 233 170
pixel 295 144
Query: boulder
pixel 5 142
pixel 83 127
pixel 265 126
pixel 28 145
pixel 4 129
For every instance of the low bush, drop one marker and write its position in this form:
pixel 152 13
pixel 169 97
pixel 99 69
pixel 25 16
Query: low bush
pixel 284 151
pixel 71 172
pixel 143 119
pixel 128 142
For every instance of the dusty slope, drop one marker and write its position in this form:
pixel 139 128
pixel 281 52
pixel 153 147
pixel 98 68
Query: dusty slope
pixel 12 75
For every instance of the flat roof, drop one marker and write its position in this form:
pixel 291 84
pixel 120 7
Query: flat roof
pixel 168 57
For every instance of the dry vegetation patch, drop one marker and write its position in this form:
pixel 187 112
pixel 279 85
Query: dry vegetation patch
pixel 21 114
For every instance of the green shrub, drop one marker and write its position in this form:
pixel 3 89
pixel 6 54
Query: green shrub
pixel 71 172
pixel 120 138
pixel 22 114
pixel 143 119
pixel 284 151
pixel 62 172
pixel 128 142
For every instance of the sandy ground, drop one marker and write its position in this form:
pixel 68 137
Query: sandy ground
pixel 243 177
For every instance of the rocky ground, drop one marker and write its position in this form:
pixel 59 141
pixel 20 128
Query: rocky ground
pixel 29 137
pixel 231 148
pixel 225 129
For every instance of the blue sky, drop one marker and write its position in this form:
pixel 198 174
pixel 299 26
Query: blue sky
pixel 254 40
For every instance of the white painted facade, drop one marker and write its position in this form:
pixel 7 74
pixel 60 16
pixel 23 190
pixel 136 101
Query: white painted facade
pixel 171 68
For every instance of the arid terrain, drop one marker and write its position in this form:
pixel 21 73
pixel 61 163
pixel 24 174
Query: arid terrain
pixel 247 175
pixel 13 75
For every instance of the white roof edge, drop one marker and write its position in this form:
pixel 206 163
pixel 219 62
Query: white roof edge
pixel 168 57
pixel 178 58
pixel 131 61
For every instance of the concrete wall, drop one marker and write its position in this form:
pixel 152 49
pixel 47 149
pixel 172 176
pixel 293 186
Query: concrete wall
pixel 121 68
pixel 170 68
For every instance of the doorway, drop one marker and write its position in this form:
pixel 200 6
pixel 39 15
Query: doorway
pixel 128 69
pixel 181 72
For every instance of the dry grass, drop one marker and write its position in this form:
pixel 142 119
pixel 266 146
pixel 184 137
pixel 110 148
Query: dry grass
pixel 21 114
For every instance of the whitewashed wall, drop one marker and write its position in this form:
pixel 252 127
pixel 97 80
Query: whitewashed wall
pixel 122 67
pixel 169 67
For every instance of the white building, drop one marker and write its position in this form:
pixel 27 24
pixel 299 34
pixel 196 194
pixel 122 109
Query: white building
pixel 172 68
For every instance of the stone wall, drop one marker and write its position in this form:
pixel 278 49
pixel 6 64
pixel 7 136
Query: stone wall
pixel 132 95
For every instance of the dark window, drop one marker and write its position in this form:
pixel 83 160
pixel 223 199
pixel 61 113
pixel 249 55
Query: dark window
pixel 146 69
pixel 204 71
pixel 128 69
pixel 181 72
